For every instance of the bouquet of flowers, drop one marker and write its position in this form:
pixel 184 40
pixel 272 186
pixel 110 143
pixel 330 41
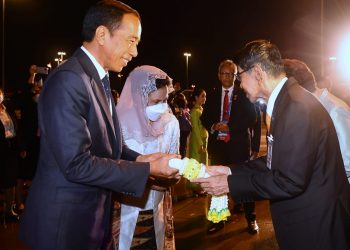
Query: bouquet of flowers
pixel 191 169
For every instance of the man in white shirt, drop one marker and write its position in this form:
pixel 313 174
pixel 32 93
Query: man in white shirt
pixel 82 157
pixel 338 110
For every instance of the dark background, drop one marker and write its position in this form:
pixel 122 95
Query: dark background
pixel 35 30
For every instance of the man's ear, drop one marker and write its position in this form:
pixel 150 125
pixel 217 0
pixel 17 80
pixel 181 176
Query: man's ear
pixel 258 72
pixel 100 34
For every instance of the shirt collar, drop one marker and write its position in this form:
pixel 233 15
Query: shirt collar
pixel 273 96
pixel 101 71
pixel 230 89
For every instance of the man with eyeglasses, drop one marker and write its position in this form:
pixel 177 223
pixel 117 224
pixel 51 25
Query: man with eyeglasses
pixel 228 115
pixel 303 174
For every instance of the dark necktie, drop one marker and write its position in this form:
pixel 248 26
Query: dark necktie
pixel 225 109
pixel 107 88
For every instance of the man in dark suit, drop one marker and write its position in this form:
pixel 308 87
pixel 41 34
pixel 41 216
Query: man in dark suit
pixel 303 174
pixel 82 158
pixel 229 115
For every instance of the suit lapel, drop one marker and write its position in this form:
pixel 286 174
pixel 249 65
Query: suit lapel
pixel 96 85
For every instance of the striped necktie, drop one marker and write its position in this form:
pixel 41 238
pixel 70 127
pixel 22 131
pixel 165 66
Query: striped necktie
pixel 225 112
pixel 107 87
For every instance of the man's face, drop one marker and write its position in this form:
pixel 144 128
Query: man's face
pixel 227 75
pixel 250 84
pixel 121 45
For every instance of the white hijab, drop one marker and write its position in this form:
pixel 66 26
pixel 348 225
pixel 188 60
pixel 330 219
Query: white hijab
pixel 131 108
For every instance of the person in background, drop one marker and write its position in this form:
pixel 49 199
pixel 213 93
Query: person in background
pixel 82 156
pixel 303 173
pixel 148 126
pixel 338 110
pixel 229 116
pixel 116 96
pixel 335 86
pixel 176 89
pixel 182 113
pixel 11 151
pixel 198 141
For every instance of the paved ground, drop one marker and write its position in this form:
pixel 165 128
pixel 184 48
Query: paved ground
pixel 190 228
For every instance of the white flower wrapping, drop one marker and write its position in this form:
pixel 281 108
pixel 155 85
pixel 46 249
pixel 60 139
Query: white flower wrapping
pixel 191 169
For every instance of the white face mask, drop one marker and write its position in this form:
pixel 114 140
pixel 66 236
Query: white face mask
pixel 155 111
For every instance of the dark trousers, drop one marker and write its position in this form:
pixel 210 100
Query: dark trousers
pixel 249 210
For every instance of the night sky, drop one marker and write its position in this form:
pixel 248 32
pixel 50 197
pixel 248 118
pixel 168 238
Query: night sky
pixel 210 30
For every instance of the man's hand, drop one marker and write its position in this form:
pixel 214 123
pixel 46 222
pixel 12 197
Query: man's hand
pixel 223 127
pixel 218 170
pixel 159 165
pixel 214 185
pixel 149 157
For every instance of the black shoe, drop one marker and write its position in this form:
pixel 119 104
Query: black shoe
pixel 214 227
pixel 253 227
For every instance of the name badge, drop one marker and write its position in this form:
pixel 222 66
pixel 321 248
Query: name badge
pixel 222 136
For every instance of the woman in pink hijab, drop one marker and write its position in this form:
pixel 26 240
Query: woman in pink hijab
pixel 148 126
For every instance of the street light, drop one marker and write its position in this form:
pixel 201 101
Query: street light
pixel 58 60
pixel 120 78
pixel 3 48
pixel 187 55
pixel 61 54
pixel 322 40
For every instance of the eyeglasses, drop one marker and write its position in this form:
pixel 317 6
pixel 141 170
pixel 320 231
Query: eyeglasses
pixel 238 75
pixel 227 74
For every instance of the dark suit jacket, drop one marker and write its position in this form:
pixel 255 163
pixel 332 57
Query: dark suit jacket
pixel 307 185
pixel 69 202
pixel 242 117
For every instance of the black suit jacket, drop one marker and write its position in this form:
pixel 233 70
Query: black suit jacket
pixel 69 202
pixel 307 185
pixel 242 117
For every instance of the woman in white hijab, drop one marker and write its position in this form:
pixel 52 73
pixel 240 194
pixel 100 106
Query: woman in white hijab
pixel 148 126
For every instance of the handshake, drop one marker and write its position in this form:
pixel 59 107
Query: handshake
pixel 213 179
pixel 197 172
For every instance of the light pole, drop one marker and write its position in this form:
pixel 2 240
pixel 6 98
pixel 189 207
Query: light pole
pixel 187 55
pixel 59 60
pixel 120 78
pixel 3 48
pixel 61 54
pixel 322 41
